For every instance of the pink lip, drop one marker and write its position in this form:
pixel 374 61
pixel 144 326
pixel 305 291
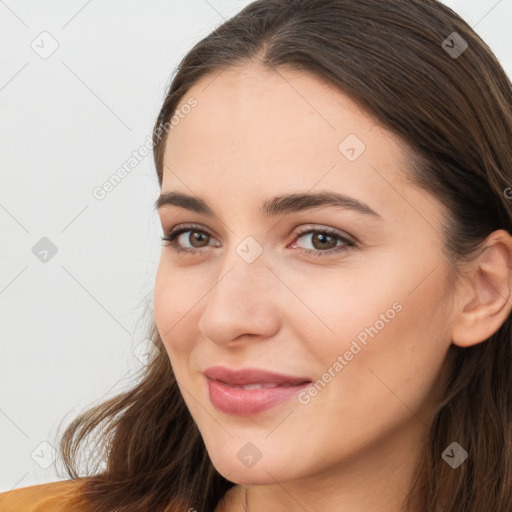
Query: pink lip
pixel 244 402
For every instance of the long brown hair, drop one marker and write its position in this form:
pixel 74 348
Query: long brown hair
pixel 396 59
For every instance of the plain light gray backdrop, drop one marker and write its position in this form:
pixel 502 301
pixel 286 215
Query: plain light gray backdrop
pixel 81 83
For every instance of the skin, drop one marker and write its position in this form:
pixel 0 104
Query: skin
pixel 256 133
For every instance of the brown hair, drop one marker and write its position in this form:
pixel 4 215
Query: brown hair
pixel 455 112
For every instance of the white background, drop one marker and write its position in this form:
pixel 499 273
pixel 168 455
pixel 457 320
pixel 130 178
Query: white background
pixel 68 122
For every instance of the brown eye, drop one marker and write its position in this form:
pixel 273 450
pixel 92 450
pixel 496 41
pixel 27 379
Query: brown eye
pixel 197 238
pixel 324 242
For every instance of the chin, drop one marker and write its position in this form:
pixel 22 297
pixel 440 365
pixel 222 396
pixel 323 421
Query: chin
pixel 261 472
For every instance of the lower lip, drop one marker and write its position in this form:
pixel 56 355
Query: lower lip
pixel 244 402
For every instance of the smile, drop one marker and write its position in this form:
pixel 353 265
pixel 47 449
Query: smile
pixel 247 391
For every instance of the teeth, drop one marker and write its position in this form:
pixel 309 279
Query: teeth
pixel 257 386
pixel 266 385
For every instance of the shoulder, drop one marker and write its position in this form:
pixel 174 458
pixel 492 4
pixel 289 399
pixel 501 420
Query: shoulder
pixel 50 497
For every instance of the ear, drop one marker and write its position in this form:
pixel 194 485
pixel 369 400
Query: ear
pixel 484 298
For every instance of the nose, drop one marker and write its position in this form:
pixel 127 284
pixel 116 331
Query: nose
pixel 242 303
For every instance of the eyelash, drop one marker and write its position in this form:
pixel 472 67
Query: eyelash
pixel 175 233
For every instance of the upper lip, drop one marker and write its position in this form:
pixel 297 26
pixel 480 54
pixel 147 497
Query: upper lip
pixel 245 376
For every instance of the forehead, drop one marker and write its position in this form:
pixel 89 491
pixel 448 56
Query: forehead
pixel 277 108
pixel 267 131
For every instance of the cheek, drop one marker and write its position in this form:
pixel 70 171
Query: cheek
pixel 398 369
pixel 332 307
pixel 377 299
pixel 174 311
pixel 392 333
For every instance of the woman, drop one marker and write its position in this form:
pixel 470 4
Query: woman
pixel 332 304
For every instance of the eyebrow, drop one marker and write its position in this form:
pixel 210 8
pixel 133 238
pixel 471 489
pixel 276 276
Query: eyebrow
pixel 274 206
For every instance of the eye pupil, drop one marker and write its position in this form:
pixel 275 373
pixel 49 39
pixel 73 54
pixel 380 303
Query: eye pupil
pixel 197 236
pixel 323 238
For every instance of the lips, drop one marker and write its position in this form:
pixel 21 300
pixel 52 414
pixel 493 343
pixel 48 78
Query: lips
pixel 250 391
pixel 253 376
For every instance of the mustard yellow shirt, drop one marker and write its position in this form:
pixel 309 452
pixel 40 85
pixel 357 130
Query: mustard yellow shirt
pixel 50 497
pixel 59 497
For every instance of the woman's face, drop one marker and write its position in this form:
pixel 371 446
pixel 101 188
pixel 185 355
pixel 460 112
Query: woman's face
pixel 365 317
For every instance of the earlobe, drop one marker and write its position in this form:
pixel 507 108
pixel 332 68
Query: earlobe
pixel 484 300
